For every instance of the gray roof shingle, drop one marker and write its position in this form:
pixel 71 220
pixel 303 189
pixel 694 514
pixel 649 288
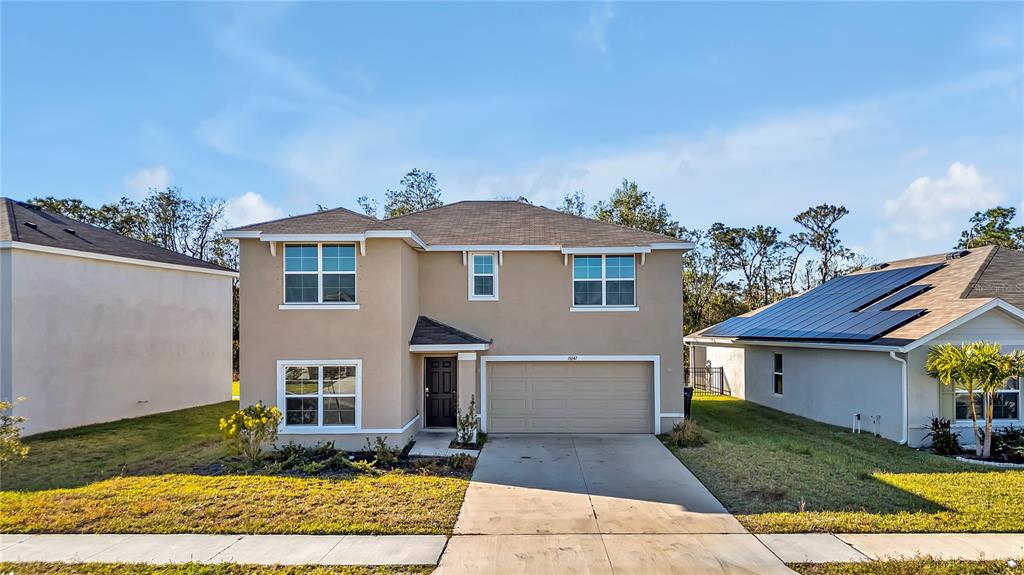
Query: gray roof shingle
pixel 27 223
pixel 432 332
pixel 472 222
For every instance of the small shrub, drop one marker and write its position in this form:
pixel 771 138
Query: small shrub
pixel 383 453
pixel 467 424
pixel 11 446
pixel 686 434
pixel 461 461
pixel 252 428
pixel 1008 444
pixel 944 439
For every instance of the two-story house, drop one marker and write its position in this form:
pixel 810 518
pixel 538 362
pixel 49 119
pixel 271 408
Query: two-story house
pixel 357 327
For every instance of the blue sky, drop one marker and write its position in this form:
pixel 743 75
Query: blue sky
pixel 908 114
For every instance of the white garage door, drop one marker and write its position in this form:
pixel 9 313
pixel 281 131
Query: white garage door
pixel 569 397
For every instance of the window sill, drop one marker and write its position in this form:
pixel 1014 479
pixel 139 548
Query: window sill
pixel 483 298
pixel 315 430
pixel 603 308
pixel 318 306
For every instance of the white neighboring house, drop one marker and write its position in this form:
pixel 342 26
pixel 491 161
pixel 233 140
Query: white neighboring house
pixel 859 355
pixel 97 327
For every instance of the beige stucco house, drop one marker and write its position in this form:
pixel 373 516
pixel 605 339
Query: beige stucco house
pixel 854 354
pixel 357 327
pixel 97 327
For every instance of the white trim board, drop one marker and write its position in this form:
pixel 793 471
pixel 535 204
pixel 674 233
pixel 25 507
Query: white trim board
pixel 654 359
pixel 9 244
pixel 427 348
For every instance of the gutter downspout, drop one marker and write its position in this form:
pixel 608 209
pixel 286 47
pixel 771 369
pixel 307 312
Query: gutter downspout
pixel 906 399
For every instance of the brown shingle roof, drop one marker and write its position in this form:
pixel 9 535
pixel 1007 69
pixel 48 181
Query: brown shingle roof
pixel 493 222
pixel 336 221
pixel 961 286
pixel 30 224
pixel 432 332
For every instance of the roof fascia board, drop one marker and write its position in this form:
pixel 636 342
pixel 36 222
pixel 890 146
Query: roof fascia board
pixel 995 303
pixel 493 248
pixel 673 246
pixel 312 237
pixel 811 345
pixel 409 236
pixel 241 235
pixel 606 250
pixel 112 258
pixel 426 348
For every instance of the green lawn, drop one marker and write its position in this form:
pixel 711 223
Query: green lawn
pixel 146 475
pixel 782 474
pixel 199 569
pixel 910 567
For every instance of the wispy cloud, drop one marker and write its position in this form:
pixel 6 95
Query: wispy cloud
pixel 935 208
pixel 138 183
pixel 594 33
pixel 249 208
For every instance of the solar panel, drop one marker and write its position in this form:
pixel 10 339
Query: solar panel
pixel 898 297
pixel 849 308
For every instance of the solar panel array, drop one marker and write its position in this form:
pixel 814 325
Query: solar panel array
pixel 839 310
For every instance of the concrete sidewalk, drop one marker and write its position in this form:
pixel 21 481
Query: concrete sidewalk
pixel 552 553
pixel 244 549
pixel 846 548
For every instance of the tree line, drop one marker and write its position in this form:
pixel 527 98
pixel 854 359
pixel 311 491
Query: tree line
pixel 732 270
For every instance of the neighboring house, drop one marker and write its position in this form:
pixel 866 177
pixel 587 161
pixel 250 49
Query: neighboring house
pixel 357 327
pixel 856 346
pixel 96 327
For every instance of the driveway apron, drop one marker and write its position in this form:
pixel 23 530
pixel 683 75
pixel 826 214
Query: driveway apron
pixel 587 504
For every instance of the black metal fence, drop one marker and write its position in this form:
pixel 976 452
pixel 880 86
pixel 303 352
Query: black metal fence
pixel 707 381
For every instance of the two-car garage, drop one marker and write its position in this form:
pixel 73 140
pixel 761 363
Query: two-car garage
pixel 569 396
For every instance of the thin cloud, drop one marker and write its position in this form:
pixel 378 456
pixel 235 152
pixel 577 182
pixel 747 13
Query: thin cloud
pixel 935 208
pixel 594 33
pixel 138 183
pixel 249 208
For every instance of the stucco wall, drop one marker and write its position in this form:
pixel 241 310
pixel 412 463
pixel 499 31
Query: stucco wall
pixel 377 333
pixel 928 397
pixel 98 341
pixel 829 386
pixel 532 316
pixel 731 360
pixel 396 284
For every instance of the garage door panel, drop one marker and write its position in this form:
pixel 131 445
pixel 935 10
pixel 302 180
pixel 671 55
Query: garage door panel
pixel 564 397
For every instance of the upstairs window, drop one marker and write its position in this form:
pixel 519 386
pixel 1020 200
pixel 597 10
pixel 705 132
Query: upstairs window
pixel 483 277
pixel 320 273
pixel 604 281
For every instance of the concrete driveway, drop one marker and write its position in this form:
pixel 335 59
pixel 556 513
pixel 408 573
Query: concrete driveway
pixel 598 504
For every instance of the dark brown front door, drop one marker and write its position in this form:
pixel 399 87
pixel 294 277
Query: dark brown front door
pixel 440 387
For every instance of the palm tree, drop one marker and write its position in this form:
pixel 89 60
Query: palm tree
pixel 994 370
pixel 976 367
pixel 956 366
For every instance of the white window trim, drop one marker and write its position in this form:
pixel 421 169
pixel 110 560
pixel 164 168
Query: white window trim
pixel 472 274
pixel 319 303
pixel 779 373
pixel 1020 409
pixel 604 286
pixel 321 363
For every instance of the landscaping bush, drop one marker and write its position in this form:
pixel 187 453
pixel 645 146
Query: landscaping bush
pixel 319 459
pixel 467 424
pixel 383 454
pixel 686 434
pixel 1008 444
pixel 252 428
pixel 461 462
pixel 11 446
pixel 944 440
